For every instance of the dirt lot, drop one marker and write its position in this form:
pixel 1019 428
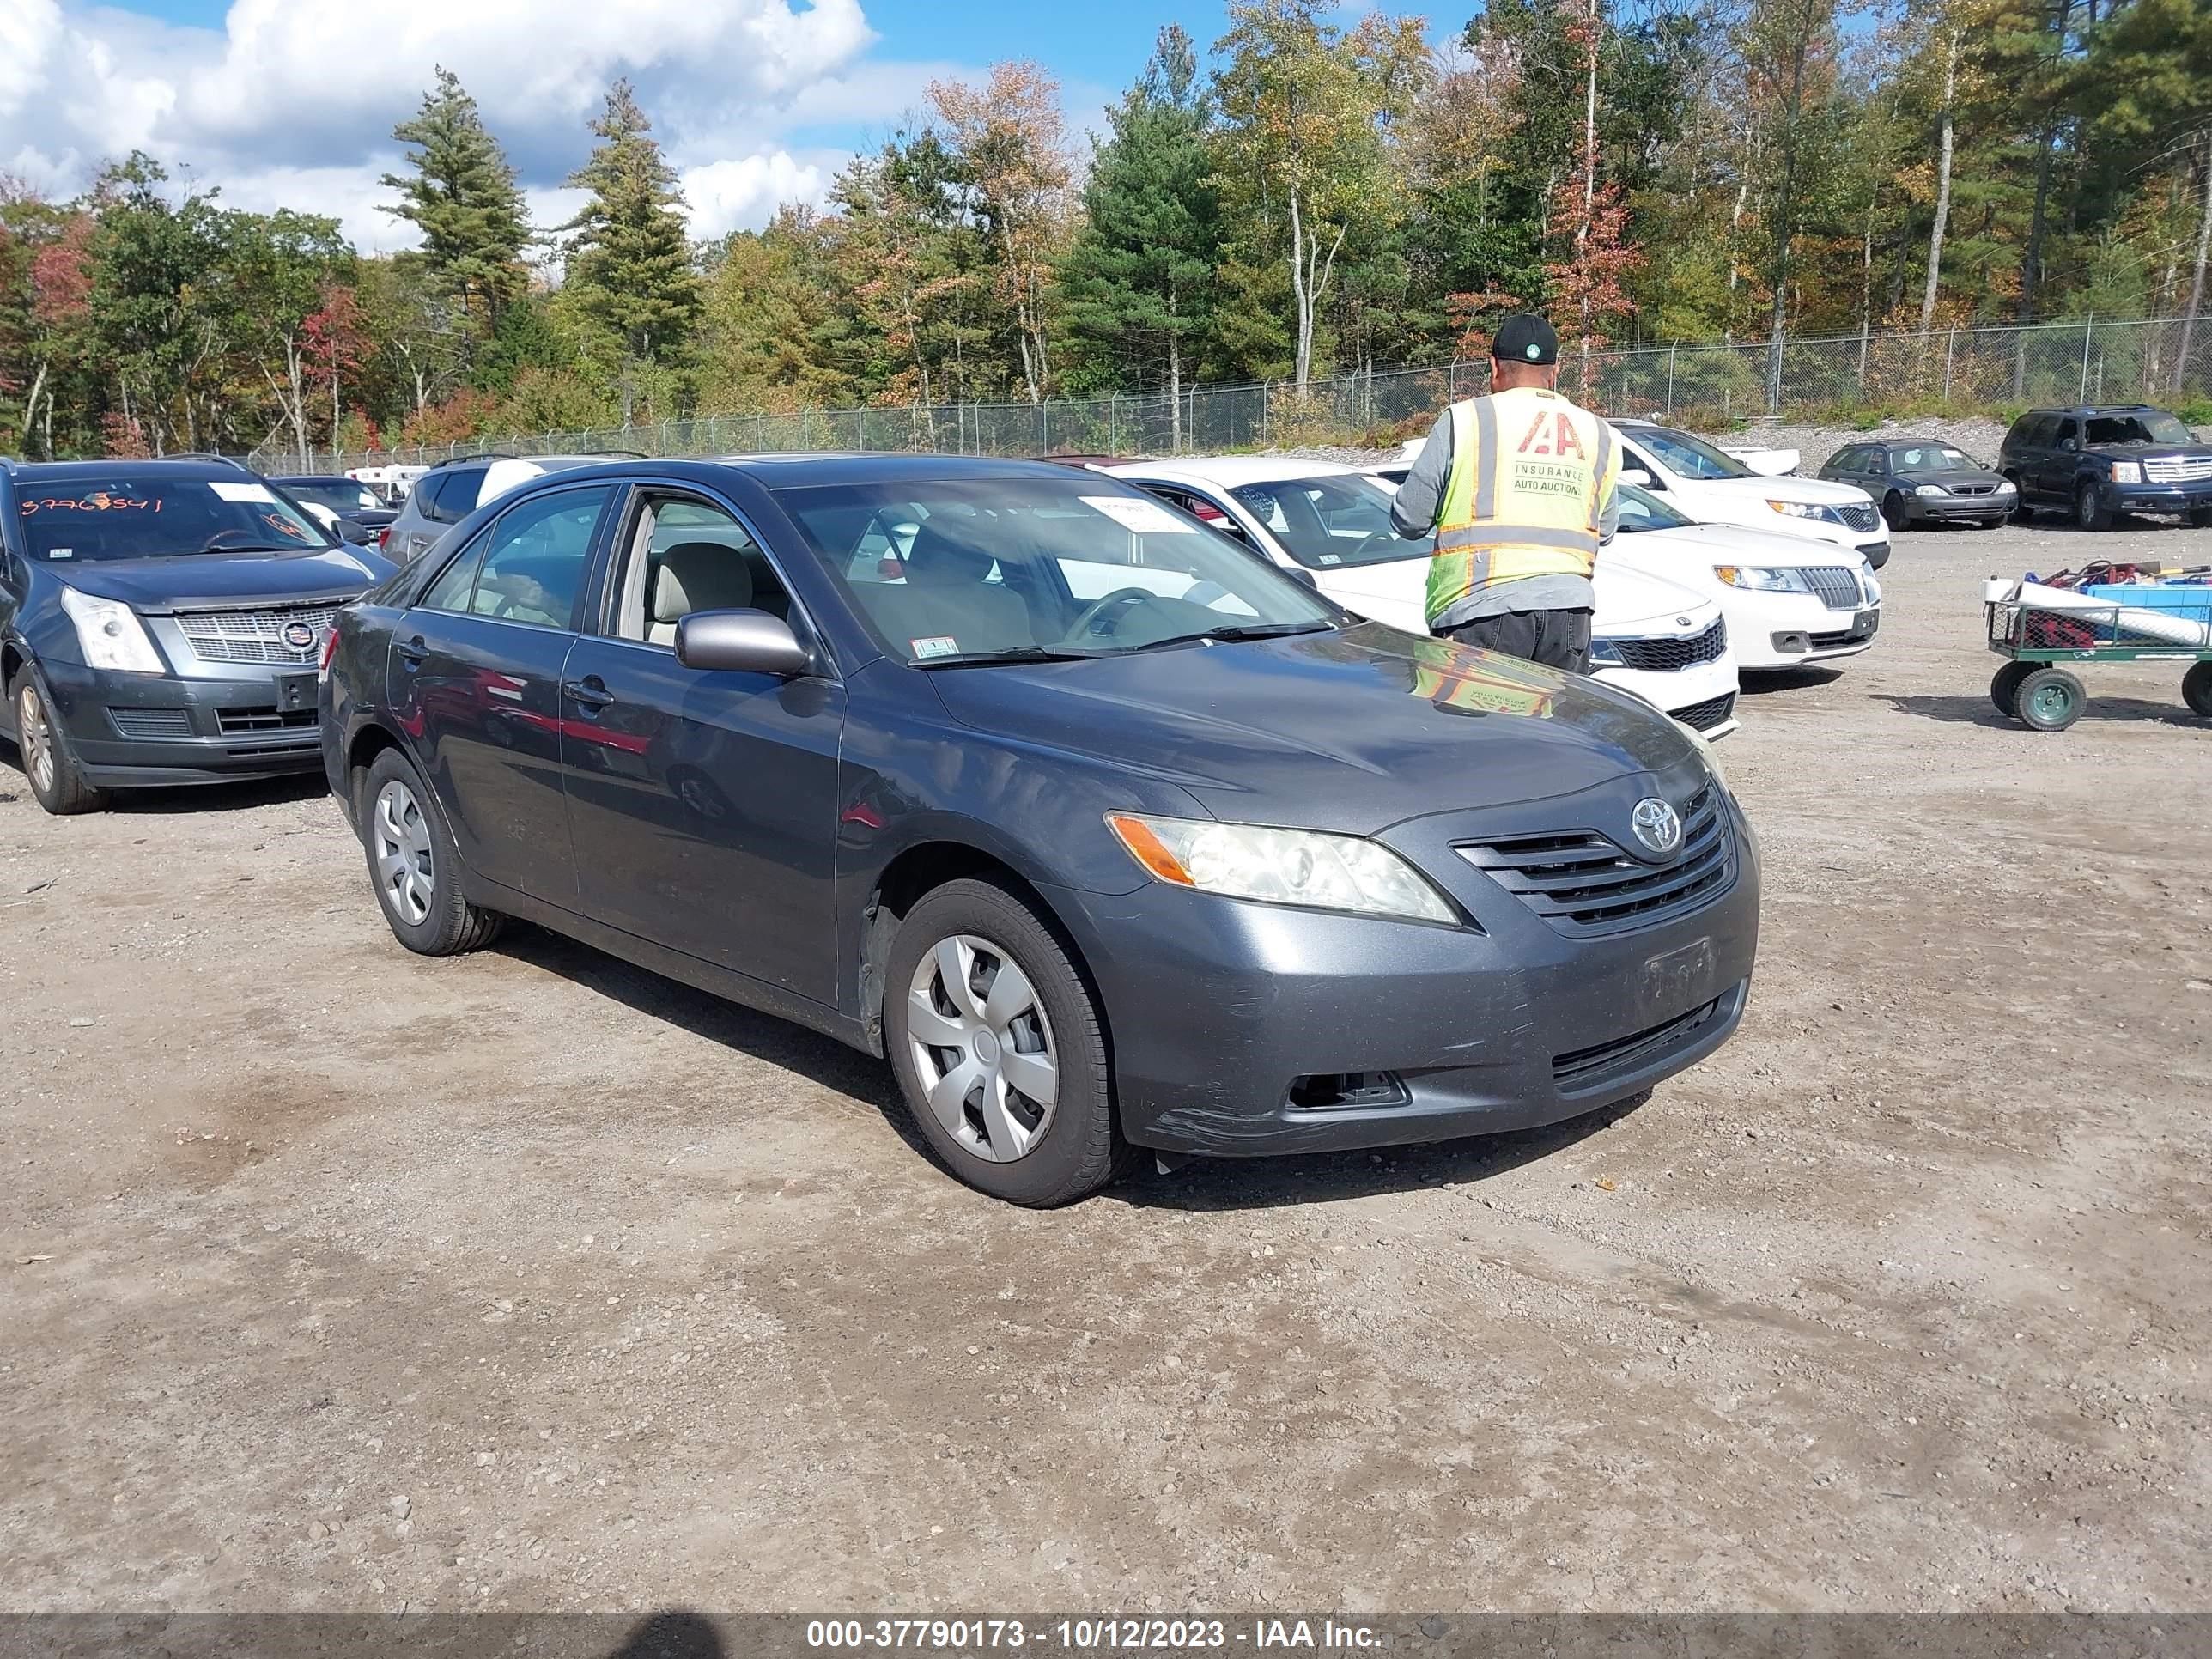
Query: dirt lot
pixel 329 1276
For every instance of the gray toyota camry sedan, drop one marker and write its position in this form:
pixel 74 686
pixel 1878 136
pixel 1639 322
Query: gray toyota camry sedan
pixel 1105 834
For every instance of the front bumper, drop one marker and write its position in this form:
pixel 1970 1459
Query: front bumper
pixel 1704 694
pixel 1949 509
pixel 1788 631
pixel 1223 1013
pixel 147 730
pixel 2161 498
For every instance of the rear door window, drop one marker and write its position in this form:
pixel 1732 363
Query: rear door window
pixel 453 495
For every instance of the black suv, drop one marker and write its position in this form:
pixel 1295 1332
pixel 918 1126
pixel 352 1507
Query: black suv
pixel 2100 463
pixel 161 622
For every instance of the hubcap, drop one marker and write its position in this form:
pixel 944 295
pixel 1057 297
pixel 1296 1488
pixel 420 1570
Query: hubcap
pixel 983 1048
pixel 2051 701
pixel 37 737
pixel 404 871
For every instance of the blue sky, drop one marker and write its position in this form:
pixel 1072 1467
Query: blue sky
pixel 291 103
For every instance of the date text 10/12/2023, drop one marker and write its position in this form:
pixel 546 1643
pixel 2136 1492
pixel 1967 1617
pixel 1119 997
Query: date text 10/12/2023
pixel 1091 1635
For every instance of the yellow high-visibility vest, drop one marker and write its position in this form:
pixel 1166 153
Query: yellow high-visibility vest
pixel 1530 474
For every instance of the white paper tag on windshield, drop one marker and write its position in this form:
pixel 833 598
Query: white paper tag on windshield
pixel 940 645
pixel 242 492
pixel 61 552
pixel 1145 518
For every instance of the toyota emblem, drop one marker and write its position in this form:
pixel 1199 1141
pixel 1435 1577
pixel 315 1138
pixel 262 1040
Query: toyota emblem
pixel 298 637
pixel 1656 824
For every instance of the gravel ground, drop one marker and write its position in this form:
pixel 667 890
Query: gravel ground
pixel 333 1278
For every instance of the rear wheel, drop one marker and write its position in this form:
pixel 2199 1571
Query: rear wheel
pixel 999 1049
pixel 414 865
pixel 2048 700
pixel 2092 508
pixel 2197 690
pixel 2006 686
pixel 57 779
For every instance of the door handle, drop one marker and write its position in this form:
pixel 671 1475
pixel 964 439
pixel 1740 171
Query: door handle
pixel 414 652
pixel 592 693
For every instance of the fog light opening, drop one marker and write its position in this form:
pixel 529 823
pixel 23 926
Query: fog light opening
pixel 1797 644
pixel 1321 1092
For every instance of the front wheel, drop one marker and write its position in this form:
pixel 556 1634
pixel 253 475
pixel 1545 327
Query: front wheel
pixel 999 1049
pixel 414 865
pixel 1895 511
pixel 2199 518
pixel 2048 700
pixel 57 779
pixel 2197 690
pixel 2092 508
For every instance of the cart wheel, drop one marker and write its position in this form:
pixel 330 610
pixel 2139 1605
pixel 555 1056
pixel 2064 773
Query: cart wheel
pixel 2197 690
pixel 2048 700
pixel 2006 686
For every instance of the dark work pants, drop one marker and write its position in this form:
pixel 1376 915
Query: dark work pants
pixel 1558 639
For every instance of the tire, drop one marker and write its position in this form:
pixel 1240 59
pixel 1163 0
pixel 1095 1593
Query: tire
pixel 2048 700
pixel 2005 688
pixel 414 867
pixel 2021 512
pixel 2198 518
pixel 57 779
pixel 1875 562
pixel 2092 510
pixel 1989 524
pixel 1894 512
pixel 2197 690
pixel 946 979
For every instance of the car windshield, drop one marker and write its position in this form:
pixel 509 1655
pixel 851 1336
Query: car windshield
pixel 1329 522
pixel 339 495
pixel 1688 457
pixel 950 571
pixel 128 515
pixel 2154 428
pixel 1932 457
pixel 1642 510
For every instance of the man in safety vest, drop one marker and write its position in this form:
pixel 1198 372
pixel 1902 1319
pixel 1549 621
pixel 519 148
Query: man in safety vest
pixel 1518 490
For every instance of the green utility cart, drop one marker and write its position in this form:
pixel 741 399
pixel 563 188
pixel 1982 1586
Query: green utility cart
pixel 2136 623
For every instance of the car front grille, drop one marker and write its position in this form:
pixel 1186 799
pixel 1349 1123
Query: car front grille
pixel 1665 656
pixel 255 635
pixel 237 722
pixel 1971 489
pixel 1703 716
pixel 1590 1068
pixel 1582 883
pixel 2179 469
pixel 1858 517
pixel 152 722
pixel 1839 588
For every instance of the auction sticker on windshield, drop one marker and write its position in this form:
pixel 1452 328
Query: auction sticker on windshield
pixel 1145 518
pixel 940 645
pixel 242 492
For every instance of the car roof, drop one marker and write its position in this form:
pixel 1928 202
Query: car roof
pixel 1230 471
pixel 785 471
pixel 310 478
pixel 157 466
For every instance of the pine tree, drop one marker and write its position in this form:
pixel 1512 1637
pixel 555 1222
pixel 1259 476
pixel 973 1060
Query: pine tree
pixel 462 195
pixel 1138 281
pixel 631 264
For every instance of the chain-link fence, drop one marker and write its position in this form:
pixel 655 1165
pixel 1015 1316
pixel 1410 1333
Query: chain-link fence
pixel 2166 360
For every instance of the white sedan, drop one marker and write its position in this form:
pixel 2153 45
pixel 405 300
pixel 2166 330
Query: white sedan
pixel 1651 635
pixel 1708 484
pixel 1790 600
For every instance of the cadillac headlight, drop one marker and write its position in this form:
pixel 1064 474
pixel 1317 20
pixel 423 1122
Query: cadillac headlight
pixel 110 634
pixel 1281 866
pixel 1763 581
pixel 2127 472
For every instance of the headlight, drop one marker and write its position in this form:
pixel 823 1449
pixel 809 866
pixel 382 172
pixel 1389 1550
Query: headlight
pixel 2127 472
pixel 1763 581
pixel 1605 651
pixel 1930 490
pixel 1796 510
pixel 110 634
pixel 2004 488
pixel 1281 866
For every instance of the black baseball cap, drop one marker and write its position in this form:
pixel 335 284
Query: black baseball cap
pixel 1525 337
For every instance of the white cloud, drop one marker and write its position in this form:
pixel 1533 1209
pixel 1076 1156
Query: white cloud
pixel 292 102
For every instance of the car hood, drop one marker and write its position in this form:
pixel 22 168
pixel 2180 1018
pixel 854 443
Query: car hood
pixel 1629 601
pixel 2176 452
pixel 1732 544
pixel 1981 476
pixel 1816 492
pixel 1350 731
pixel 198 581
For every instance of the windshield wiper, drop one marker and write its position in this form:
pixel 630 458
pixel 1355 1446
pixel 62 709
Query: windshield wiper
pixel 219 546
pixel 1240 631
pixel 1014 654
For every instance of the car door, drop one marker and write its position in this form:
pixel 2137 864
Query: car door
pixel 702 805
pixel 475 681
pixel 2059 458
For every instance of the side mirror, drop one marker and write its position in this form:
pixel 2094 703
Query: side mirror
pixel 359 534
pixel 1637 476
pixel 2070 445
pixel 741 642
